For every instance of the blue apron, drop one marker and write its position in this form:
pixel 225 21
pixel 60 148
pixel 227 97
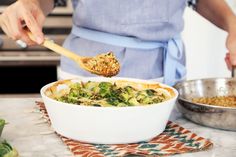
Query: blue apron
pixel 142 34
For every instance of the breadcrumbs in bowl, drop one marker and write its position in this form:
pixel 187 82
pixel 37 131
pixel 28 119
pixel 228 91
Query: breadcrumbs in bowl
pixel 209 102
pixel 225 101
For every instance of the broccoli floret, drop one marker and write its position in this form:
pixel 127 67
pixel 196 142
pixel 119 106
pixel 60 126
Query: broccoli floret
pixel 76 86
pixel 146 100
pixel 140 96
pixel 124 96
pixel 105 85
pixel 105 89
pixel 109 94
pixel 74 93
pixel 68 99
pixel 150 92
pixel 6 150
pixel 113 101
pixel 133 101
pixel 96 90
pixel 129 89
pixel 90 85
pixel 2 123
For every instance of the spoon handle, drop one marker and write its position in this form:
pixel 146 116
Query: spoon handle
pixel 59 49
pixel 233 72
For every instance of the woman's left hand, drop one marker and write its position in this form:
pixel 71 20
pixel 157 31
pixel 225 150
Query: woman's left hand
pixel 230 57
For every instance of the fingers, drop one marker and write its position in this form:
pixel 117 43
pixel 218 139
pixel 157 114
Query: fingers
pixel 5 29
pixel 232 52
pixel 227 61
pixel 4 25
pixel 13 28
pixel 33 26
pixel 231 46
pixel 26 39
pixel 27 12
pixel 233 58
pixel 40 18
pixel 14 25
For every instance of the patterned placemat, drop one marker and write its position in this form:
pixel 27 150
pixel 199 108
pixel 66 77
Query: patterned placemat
pixel 174 140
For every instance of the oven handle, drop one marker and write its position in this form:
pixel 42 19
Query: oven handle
pixel 29 58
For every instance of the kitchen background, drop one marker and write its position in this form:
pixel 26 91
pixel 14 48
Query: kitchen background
pixel 205 46
pixel 26 69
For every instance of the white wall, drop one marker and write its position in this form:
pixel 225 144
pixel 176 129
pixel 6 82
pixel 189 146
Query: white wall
pixel 205 47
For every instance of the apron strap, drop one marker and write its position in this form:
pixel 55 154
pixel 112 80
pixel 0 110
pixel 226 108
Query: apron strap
pixel 174 71
pixel 114 39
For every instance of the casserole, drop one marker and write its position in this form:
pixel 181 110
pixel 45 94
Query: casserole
pixel 109 125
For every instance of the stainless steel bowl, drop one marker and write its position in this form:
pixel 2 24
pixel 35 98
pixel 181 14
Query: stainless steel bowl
pixel 208 115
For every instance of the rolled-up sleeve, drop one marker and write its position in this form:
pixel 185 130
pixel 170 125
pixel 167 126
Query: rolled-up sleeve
pixel 192 4
pixel 59 3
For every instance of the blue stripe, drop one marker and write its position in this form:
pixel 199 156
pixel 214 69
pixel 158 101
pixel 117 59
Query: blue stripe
pixel 113 39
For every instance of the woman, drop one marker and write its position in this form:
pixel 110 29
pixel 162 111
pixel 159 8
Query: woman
pixel 144 35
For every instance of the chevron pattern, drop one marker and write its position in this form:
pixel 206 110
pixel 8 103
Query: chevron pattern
pixel 174 140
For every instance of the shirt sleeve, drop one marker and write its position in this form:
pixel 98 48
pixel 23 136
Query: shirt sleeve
pixel 192 4
pixel 59 3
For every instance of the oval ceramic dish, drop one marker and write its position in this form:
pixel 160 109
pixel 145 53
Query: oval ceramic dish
pixel 110 125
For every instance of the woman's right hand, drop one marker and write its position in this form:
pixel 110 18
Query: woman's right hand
pixel 23 13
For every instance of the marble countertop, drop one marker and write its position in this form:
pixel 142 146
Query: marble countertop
pixel 35 139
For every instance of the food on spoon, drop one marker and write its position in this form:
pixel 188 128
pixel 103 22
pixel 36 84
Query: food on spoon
pixel 104 64
pixel 225 101
pixel 103 94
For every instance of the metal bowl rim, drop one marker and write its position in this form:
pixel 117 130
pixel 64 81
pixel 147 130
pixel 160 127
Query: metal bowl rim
pixel 177 86
pixel 204 79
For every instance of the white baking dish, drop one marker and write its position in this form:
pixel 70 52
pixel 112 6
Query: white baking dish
pixel 109 125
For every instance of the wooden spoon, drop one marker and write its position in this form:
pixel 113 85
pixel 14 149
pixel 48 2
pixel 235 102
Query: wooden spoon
pixel 104 64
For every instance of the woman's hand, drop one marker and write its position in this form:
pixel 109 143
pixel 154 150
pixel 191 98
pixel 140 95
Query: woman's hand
pixel 230 57
pixel 20 13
